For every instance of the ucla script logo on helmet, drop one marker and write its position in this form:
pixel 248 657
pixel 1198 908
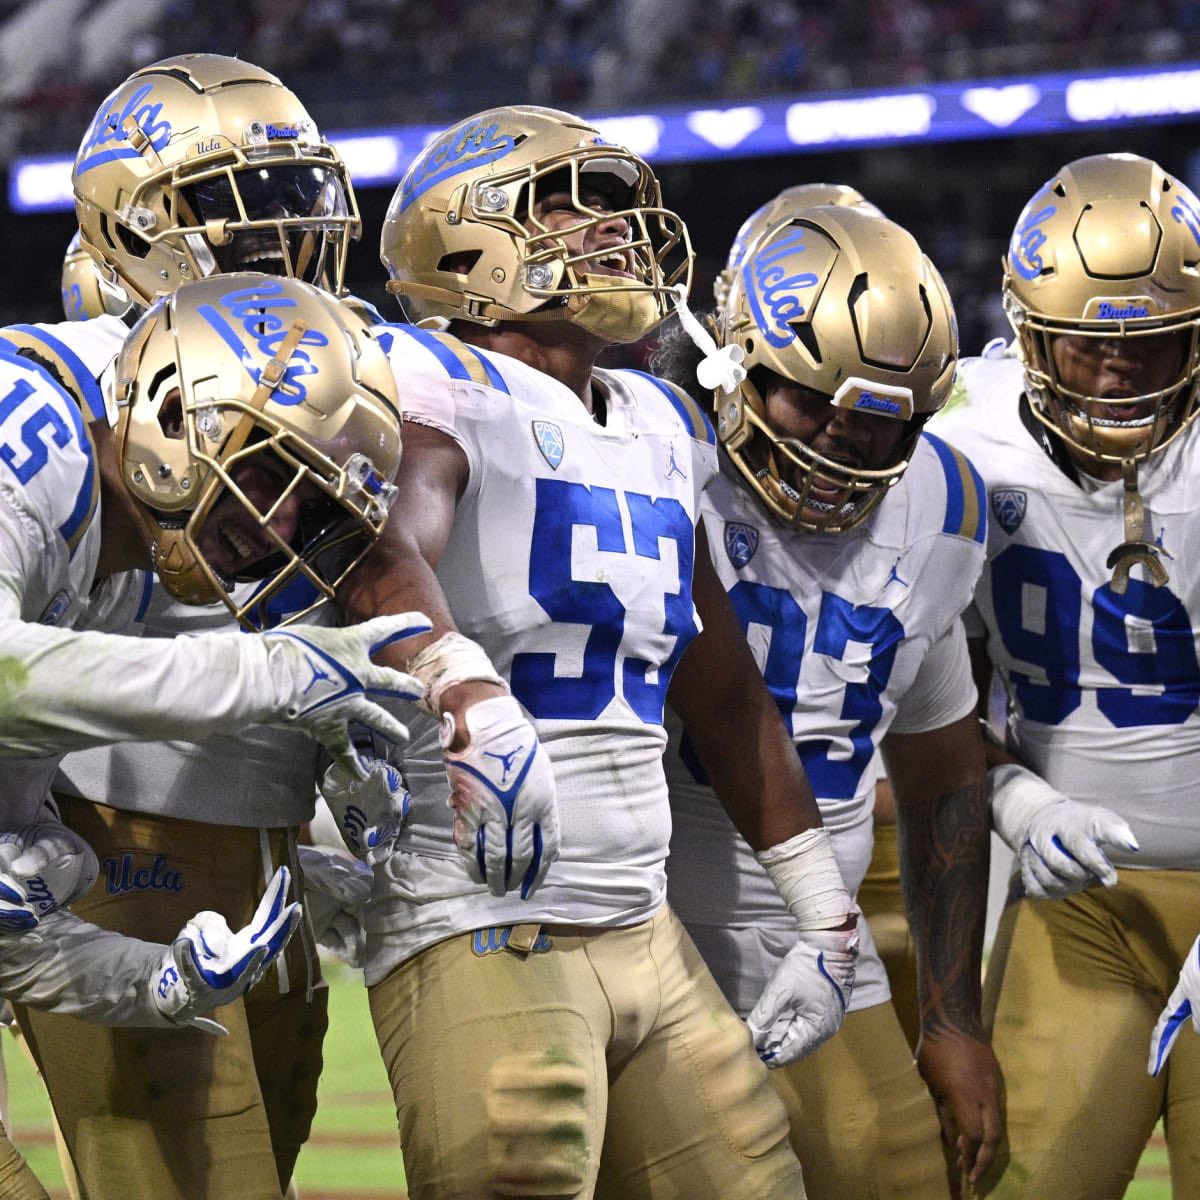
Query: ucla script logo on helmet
pixel 257 309
pixel 1185 212
pixel 471 145
pixel 1028 239
pixel 108 137
pixel 771 290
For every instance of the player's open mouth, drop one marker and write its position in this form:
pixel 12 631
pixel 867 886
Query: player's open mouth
pixel 1134 414
pixel 616 263
pixel 239 550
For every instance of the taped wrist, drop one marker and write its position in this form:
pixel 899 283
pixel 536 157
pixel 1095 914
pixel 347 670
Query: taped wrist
pixel 451 660
pixel 1016 795
pixel 806 875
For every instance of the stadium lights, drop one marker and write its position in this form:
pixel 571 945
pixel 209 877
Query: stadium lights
pixel 818 121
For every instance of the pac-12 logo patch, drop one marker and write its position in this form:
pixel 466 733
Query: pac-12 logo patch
pixel 741 541
pixel 549 440
pixel 1008 504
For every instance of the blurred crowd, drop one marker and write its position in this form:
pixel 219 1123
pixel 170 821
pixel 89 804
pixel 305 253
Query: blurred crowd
pixel 365 62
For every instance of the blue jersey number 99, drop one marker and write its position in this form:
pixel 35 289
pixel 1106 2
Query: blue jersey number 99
pixel 1143 639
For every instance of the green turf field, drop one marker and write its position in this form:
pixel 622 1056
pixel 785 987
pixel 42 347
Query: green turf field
pixel 353 1153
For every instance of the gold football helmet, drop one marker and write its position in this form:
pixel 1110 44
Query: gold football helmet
pixel 783 207
pixel 85 293
pixel 465 238
pixel 258 433
pixel 203 164
pixel 1108 248
pixel 842 302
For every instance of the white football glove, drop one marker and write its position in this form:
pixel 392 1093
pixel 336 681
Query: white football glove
pixel 335 890
pixel 326 679
pixel 1057 841
pixel 1184 1003
pixel 43 866
pixel 209 964
pixel 804 1003
pixel 370 811
pixel 805 1000
pixel 503 797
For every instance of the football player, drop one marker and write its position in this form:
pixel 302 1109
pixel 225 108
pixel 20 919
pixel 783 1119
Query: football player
pixel 257 432
pixel 570 1041
pixel 849 543
pixel 194 166
pixel 1086 440
pixel 72 967
pixel 879 897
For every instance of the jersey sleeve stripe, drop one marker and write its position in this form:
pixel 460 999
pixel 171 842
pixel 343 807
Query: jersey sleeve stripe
pixel 75 526
pixel 692 415
pixel 76 377
pixel 966 512
pixel 460 360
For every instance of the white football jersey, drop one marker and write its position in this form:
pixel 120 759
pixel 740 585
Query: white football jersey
pixel 118 688
pixel 263 776
pixel 1102 688
pixel 856 634
pixel 49 531
pixel 77 354
pixel 570 562
pixel 78 969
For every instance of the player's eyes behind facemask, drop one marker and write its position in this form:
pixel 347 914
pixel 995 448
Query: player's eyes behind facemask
pixel 301 197
pixel 268 194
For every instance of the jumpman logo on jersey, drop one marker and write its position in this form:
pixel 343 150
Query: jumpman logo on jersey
pixel 318 676
pixel 505 760
pixel 673 468
pixel 1158 541
pixel 894 575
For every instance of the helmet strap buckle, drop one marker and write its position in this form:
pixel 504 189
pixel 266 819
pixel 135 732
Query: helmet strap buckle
pixel 1136 548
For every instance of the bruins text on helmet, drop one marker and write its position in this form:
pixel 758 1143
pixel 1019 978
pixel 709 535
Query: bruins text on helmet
pixel 258 434
pixel 839 301
pixel 202 164
pixel 464 238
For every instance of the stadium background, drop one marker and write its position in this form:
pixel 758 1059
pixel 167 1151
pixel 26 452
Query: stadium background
pixel 991 81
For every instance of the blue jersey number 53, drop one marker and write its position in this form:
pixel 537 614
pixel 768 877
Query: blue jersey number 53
pixel 563 506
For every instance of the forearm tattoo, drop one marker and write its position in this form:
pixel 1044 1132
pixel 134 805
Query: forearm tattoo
pixel 944 848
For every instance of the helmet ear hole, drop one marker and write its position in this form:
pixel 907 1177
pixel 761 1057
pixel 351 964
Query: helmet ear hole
pixel 136 246
pixel 461 262
pixel 170 412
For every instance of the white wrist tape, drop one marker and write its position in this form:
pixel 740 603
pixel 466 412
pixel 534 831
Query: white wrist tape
pixel 451 660
pixel 806 875
pixel 1016 795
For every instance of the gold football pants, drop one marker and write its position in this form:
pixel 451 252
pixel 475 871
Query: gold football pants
pixel 600 1062
pixel 160 1114
pixel 1073 989
pixel 862 1121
